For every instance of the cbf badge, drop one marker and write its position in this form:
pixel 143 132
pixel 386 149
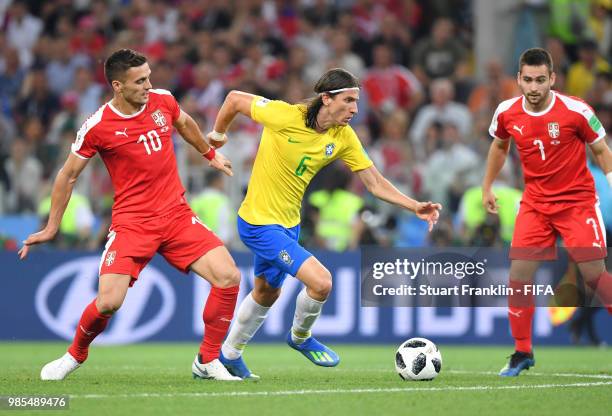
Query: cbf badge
pixel 285 257
pixel 158 118
pixel 329 149
pixel 553 130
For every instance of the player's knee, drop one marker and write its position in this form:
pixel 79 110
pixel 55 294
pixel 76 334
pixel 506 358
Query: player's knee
pixel 228 278
pixel 107 304
pixel 322 286
pixel 266 296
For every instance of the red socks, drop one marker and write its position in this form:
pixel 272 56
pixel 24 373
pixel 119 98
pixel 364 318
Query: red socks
pixel 520 314
pixel 91 324
pixel 602 287
pixel 217 315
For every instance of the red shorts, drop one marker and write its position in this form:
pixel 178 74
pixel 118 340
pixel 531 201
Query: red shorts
pixel 180 237
pixel 538 226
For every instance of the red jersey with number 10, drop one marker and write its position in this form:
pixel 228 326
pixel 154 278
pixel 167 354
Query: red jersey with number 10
pixel 138 152
pixel 551 146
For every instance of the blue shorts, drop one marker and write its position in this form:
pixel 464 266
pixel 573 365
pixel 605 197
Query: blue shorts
pixel 276 248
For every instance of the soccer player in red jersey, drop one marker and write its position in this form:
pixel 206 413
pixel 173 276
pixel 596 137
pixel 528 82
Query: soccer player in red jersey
pixel 550 131
pixel 132 134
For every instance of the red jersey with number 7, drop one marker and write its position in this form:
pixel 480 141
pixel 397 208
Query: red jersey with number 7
pixel 551 146
pixel 138 152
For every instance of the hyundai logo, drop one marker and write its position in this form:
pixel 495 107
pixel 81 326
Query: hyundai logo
pixel 127 325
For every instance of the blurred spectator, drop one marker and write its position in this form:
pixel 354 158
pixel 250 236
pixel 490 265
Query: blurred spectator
pixel 442 234
pixel 7 134
pixel 395 149
pixel 598 19
pixel 390 86
pixel 11 80
pixel 321 13
pixel 263 70
pixel 604 193
pixel 67 120
pixel 439 55
pixel 397 36
pixel 450 170
pixel 203 48
pixel 62 67
pixel 37 100
pixel 343 57
pixel 86 39
pixel 337 212
pixel 473 218
pixel 367 15
pixel 443 110
pixel 495 89
pixel 208 92
pixel 600 95
pixel 160 22
pixel 77 223
pixel 24 174
pixel 557 51
pixel 569 22
pixel 89 93
pixel 581 74
pixel 23 31
pixel 215 209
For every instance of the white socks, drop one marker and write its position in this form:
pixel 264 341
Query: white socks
pixel 307 310
pixel 249 318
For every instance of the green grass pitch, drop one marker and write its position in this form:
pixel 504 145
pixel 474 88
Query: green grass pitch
pixel 155 379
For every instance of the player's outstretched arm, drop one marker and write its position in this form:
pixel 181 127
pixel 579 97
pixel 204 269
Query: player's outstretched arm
pixel 60 196
pixel 235 102
pixel 382 189
pixel 603 158
pixel 495 162
pixel 191 133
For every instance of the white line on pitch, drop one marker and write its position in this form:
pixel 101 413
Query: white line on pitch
pixel 340 391
pixel 598 376
pixel 489 373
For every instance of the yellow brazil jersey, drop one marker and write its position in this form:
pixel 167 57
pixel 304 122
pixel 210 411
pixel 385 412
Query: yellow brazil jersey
pixel 289 156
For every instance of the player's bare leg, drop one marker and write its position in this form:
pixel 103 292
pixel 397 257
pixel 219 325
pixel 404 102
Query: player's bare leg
pixel 111 293
pixel 218 268
pixel 520 314
pixel 308 306
pixel 251 314
pixel 599 279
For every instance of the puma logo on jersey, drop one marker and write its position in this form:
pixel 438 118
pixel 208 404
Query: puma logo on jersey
pixel 520 130
pixel 516 313
pixel 121 133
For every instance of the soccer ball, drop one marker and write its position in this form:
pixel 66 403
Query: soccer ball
pixel 418 359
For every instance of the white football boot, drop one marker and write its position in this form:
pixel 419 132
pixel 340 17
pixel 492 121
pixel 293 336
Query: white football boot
pixel 60 368
pixel 213 370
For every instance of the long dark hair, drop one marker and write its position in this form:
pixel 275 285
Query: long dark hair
pixel 334 79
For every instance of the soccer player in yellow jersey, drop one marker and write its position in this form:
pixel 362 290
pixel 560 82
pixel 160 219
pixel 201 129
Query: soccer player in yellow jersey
pixel 297 141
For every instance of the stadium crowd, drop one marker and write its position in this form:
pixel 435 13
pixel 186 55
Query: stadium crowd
pixel 423 112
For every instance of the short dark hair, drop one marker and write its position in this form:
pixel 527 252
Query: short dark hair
pixel 536 57
pixel 334 79
pixel 119 62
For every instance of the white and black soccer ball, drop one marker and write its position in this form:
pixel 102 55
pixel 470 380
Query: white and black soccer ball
pixel 418 359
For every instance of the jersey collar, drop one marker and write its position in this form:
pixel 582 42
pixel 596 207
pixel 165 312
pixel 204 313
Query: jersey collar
pixel 546 110
pixel 120 114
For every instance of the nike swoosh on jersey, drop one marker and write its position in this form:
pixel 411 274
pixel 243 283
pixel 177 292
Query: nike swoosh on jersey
pixel 292 140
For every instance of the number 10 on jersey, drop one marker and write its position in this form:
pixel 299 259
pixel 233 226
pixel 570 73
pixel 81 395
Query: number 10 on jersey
pixel 153 138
